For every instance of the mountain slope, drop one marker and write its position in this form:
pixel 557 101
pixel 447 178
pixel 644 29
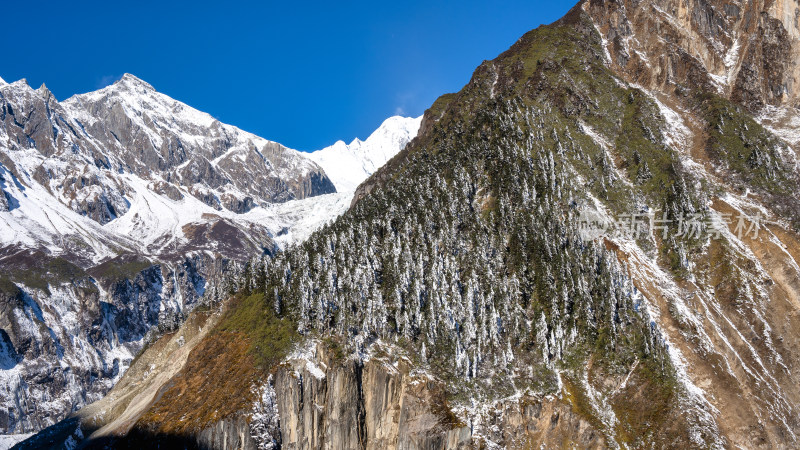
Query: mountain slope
pixel 147 149
pixel 744 51
pixel 350 164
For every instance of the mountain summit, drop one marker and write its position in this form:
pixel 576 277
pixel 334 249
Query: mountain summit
pixel 349 165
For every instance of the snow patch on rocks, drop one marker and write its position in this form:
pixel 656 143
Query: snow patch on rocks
pixel 9 440
pixel 305 357
pixel 265 420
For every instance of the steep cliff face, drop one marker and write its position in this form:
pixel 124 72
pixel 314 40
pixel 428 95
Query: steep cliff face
pixel 747 51
pixel 357 404
pixel 383 400
pixel 68 339
pixel 316 398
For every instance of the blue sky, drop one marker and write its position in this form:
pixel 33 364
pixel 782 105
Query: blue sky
pixel 299 73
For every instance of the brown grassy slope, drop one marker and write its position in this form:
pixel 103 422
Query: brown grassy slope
pixel 218 378
pixel 215 383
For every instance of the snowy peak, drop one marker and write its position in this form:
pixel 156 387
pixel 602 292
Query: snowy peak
pixel 21 84
pixel 128 83
pixel 132 81
pixel 2 82
pixel 162 139
pixel 139 97
pixel 349 165
pixel 126 158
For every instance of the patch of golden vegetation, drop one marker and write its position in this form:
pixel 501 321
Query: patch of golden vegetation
pixel 215 384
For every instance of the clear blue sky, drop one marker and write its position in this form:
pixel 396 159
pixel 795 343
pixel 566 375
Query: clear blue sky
pixel 301 73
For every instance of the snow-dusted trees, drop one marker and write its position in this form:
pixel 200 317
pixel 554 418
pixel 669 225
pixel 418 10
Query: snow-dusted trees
pixel 471 256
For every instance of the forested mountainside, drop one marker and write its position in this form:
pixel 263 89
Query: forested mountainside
pixel 593 244
pixel 120 211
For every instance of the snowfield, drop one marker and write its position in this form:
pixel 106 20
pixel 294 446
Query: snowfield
pixel 348 165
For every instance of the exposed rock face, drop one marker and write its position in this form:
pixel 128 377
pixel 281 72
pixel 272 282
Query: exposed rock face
pixel 89 197
pixel 353 406
pixel 64 345
pixel 156 137
pixel 231 433
pixel 537 423
pixel 318 401
pixel 111 421
pixel 748 51
pixel 383 402
pixel 4 203
pixel 349 404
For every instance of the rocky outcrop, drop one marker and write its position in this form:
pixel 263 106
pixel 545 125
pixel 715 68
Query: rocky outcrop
pixel 233 433
pixel 317 183
pixel 531 422
pixel 747 51
pixel 88 196
pixel 166 189
pixel 67 337
pixel 4 202
pixel 385 402
pixel 237 205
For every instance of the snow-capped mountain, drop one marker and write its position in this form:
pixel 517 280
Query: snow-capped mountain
pixel 128 148
pixel 119 211
pixel 348 165
pixel 161 139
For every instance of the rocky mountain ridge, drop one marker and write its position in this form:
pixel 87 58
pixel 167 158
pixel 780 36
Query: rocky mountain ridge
pixel 160 139
pixel 151 154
